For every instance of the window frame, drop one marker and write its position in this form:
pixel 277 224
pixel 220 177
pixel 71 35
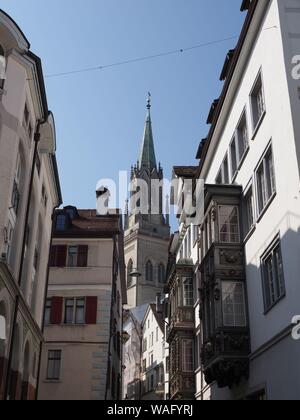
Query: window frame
pixel 75 308
pixel 226 282
pixel 262 195
pixel 246 225
pixel 270 253
pixel 252 95
pixel 185 361
pixel 149 274
pixel 48 377
pixel 188 295
pixel 48 308
pixel 238 225
pixel 236 141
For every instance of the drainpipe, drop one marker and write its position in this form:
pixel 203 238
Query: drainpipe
pixel 109 359
pixel 37 137
pixel 45 297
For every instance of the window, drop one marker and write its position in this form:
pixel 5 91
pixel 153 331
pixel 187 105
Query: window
pixel 188 292
pixel 157 334
pixel 61 222
pixel 54 365
pixel 257 102
pixel 234 159
pixel 239 145
pixel 75 311
pixel 145 345
pixel 2 67
pixel 44 196
pixel 72 256
pixel 234 307
pixel 273 276
pixel 161 273
pixel 229 224
pixel 152 339
pixel 15 199
pixel 48 308
pixel 80 311
pixel 149 271
pixel 249 212
pixel 77 256
pixel 69 311
pixel 26 121
pixel 152 382
pixel 151 359
pixel 144 365
pixel 187 356
pixel 242 137
pixel 223 175
pixel 265 179
pixel 129 271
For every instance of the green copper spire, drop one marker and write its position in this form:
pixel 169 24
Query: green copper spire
pixel 147 158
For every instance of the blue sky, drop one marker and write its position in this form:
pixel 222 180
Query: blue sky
pixel 100 115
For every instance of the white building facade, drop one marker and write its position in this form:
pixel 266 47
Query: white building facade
pixel 153 368
pixel 256 129
pixel 246 288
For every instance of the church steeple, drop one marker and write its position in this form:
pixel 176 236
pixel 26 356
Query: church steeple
pixel 147 157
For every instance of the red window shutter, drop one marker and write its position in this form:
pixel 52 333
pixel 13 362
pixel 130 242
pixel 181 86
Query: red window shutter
pixel 91 310
pixel 56 310
pixel 61 256
pixel 82 256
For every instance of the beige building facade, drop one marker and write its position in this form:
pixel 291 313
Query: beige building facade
pixel 82 354
pixel 29 191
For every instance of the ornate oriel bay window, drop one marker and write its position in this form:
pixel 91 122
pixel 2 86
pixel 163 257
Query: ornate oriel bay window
pixel 181 330
pixel 226 341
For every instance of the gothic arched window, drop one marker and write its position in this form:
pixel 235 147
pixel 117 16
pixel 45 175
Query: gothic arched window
pixel 161 273
pixel 129 271
pixel 149 271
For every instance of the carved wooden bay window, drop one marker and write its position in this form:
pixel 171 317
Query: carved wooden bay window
pixel 226 348
pixel 181 331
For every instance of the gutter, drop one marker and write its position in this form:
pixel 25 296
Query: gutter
pixel 226 86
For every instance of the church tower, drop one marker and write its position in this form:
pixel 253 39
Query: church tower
pixel 147 230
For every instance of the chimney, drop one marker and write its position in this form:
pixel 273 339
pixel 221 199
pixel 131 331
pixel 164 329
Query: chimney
pixel 102 196
pixel 158 303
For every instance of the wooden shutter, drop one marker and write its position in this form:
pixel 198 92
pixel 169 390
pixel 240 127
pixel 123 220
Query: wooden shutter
pixel 82 259
pixel 56 310
pixel 91 310
pixel 61 256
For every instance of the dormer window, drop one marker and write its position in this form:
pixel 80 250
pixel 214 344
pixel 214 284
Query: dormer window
pixel 61 222
pixel 71 211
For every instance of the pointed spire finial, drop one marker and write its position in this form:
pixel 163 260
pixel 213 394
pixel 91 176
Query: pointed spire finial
pixel 149 101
